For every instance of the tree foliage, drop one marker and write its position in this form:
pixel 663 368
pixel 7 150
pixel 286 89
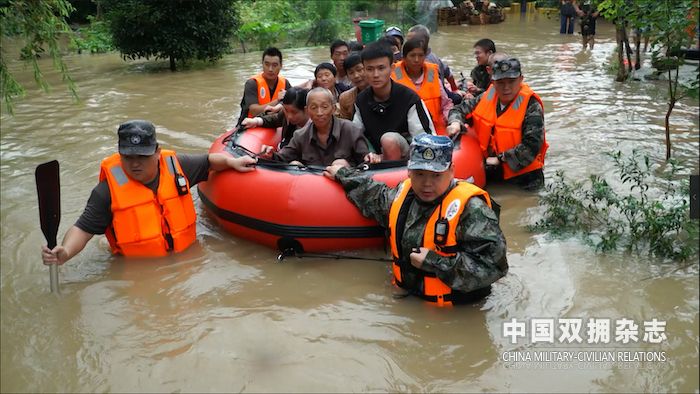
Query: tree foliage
pixel 39 23
pixel 293 22
pixel 178 30
pixel 95 38
pixel 669 25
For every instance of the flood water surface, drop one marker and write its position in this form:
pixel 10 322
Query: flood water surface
pixel 227 316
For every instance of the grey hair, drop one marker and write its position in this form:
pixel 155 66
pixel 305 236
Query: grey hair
pixel 497 57
pixel 320 90
pixel 420 29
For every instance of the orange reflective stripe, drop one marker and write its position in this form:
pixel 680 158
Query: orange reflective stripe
pixel 429 91
pixel 507 128
pixel 141 220
pixel 264 96
pixel 453 205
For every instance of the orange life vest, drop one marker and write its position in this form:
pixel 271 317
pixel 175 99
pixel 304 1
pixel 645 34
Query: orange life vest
pixel 429 91
pixel 430 287
pixel 264 96
pixel 500 133
pixel 145 224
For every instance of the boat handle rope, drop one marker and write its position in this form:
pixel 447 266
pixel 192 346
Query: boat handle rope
pixel 229 137
pixel 292 252
pixel 274 162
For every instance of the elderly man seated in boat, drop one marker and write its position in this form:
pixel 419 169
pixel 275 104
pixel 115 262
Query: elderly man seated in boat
pixel 326 140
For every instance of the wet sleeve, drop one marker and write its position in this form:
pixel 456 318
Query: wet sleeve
pixel 97 215
pixel 460 111
pixel 273 120
pixel 533 137
pixel 372 198
pixel 360 148
pixel 195 167
pixel 291 151
pixel 481 259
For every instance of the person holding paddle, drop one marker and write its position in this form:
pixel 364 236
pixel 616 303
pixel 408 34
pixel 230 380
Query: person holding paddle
pixel 143 203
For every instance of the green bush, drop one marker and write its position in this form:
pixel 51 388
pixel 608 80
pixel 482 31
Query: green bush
pixel 174 30
pixel 95 38
pixel 641 219
pixel 265 34
pixel 286 23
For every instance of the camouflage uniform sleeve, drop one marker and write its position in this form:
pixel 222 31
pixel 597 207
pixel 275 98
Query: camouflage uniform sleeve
pixel 482 256
pixel 533 137
pixel 458 112
pixel 372 198
pixel 273 120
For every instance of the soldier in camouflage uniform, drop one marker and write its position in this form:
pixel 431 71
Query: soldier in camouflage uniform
pixel 512 136
pixel 446 241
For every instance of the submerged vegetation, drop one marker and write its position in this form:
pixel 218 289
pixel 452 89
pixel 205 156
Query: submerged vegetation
pixel 642 219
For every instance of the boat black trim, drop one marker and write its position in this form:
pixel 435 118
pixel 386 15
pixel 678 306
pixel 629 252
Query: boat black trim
pixel 284 230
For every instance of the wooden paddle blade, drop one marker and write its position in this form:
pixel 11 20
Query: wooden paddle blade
pixel 48 190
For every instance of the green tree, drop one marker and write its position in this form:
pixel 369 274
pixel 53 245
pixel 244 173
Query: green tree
pixel 39 23
pixel 668 23
pixel 619 11
pixel 178 30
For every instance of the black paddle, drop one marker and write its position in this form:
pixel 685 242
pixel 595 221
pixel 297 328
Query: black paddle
pixel 48 190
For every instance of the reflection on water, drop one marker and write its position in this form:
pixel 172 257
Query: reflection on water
pixel 225 316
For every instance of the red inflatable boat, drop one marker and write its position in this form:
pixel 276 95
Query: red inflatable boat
pixel 279 206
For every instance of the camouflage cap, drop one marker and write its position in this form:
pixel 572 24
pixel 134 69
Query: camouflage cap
pixel 509 68
pixel 430 152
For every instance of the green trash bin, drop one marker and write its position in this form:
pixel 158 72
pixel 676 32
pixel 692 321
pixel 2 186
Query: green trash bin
pixel 372 30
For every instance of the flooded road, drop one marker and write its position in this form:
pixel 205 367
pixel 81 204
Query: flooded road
pixel 226 316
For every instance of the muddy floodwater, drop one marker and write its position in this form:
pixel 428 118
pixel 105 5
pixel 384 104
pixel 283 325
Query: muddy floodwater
pixel 226 316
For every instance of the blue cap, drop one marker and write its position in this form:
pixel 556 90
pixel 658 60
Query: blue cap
pixel 431 153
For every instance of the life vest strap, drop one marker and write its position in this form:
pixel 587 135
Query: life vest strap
pixel 458 297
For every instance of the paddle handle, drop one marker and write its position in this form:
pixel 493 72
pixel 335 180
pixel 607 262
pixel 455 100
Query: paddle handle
pixel 53 278
pixel 53 268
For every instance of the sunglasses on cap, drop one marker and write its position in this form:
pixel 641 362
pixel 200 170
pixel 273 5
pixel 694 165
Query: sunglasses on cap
pixel 393 29
pixel 507 65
